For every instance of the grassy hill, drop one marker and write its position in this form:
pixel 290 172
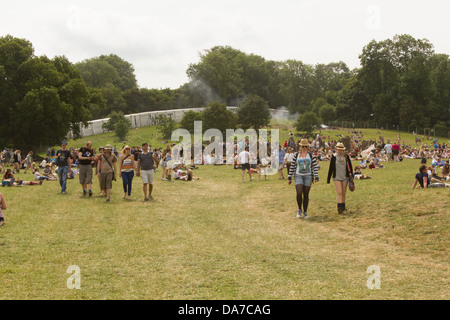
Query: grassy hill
pixel 219 238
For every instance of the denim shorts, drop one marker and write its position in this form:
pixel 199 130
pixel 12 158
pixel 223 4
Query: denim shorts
pixel 304 180
pixel 345 180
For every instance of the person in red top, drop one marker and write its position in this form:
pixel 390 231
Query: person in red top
pixel 395 151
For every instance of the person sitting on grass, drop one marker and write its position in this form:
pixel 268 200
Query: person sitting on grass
pixel 189 176
pixel 47 172
pixel 8 178
pixel 433 175
pixel 363 164
pixel 424 180
pixel 446 170
pixel 40 177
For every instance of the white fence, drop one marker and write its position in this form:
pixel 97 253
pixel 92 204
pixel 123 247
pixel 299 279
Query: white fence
pixel 147 119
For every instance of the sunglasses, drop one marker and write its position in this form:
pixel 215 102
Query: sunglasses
pixel 304 147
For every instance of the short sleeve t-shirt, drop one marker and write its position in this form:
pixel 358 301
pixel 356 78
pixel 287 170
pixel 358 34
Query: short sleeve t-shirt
pixel 388 148
pixel 244 157
pixel 87 153
pixel 304 165
pixel 421 176
pixel 106 168
pixel 147 162
pixel 64 156
pixel 288 157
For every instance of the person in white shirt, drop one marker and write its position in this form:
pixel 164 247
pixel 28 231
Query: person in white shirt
pixel 388 148
pixel 288 159
pixel 244 161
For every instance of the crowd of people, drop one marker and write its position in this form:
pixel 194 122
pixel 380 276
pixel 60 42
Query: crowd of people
pixel 300 159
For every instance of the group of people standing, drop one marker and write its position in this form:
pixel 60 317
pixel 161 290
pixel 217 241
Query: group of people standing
pixel 105 164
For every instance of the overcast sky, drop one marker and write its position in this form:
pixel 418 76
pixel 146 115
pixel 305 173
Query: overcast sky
pixel 161 38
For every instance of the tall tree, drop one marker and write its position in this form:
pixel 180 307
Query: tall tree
pixel 253 112
pixel 44 96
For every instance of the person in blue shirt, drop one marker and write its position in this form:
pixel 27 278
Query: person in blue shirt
pixel 281 154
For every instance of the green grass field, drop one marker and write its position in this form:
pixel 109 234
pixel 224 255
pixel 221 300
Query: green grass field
pixel 219 238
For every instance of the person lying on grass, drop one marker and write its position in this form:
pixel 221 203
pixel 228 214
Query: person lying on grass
pixel 20 183
pixel 358 174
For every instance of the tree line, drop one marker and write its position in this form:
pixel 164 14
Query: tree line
pixel 401 81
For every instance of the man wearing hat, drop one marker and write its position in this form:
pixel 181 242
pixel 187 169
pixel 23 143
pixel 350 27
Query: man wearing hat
pixel 341 169
pixel 64 161
pixel 108 169
pixel 85 158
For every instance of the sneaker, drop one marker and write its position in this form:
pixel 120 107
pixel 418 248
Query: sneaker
pixel 63 192
pixel 2 221
pixel 305 215
pixel 40 182
pixel 90 193
pixel 299 214
pixel 146 199
pixel 107 200
pixel 84 193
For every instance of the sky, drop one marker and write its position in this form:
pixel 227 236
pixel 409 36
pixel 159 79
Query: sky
pixel 161 38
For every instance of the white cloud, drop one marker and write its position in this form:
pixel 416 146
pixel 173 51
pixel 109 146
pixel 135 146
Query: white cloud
pixel 161 38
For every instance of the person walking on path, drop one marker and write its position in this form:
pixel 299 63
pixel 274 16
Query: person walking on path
pixel 340 168
pixel 64 162
pixel 85 158
pixel 146 169
pixel 2 207
pixel 304 168
pixel 127 168
pixel 108 169
pixel 29 161
pixel 244 161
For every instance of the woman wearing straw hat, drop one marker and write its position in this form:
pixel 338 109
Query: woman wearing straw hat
pixel 340 169
pixel 303 167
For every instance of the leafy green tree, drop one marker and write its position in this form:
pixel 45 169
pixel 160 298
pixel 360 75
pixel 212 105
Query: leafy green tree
pixel 122 128
pixel 308 122
pixel 352 103
pixel 327 112
pixel 297 79
pixel 165 125
pixel 217 116
pixel 219 69
pixel 253 112
pixel 187 122
pixel 118 123
pixel 38 95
